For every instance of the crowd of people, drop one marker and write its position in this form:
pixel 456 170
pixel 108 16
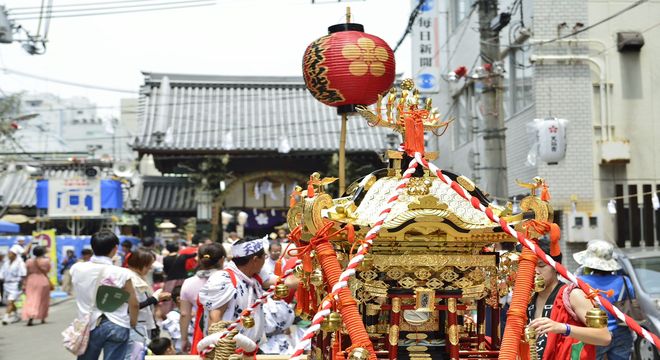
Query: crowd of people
pixel 176 295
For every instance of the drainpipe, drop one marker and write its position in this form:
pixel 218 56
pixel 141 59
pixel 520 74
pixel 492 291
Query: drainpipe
pixel 601 70
pixel 604 49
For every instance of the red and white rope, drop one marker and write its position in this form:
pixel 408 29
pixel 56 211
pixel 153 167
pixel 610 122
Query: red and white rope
pixel 262 299
pixel 353 264
pixel 537 250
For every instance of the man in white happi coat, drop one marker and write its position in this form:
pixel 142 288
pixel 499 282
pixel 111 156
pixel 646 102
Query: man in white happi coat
pixel 227 293
pixel 13 273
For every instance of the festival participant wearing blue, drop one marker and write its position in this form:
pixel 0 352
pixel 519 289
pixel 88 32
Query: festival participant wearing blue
pixel 600 273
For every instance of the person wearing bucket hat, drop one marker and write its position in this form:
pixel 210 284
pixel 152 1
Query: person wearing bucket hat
pixel 600 272
pixel 558 314
pixel 13 272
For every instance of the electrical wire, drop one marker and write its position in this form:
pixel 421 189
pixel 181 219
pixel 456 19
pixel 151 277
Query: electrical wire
pixel 82 4
pixel 41 15
pixel 446 43
pixel 121 7
pixel 622 11
pixel 211 3
pixel 65 82
pixel 411 22
pixel 602 21
pixel 232 129
pixel 96 3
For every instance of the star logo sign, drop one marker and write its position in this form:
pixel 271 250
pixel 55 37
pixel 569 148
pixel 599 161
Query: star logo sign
pixel 553 129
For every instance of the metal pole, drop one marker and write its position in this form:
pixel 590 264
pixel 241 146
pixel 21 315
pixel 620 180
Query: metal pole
pixel 342 155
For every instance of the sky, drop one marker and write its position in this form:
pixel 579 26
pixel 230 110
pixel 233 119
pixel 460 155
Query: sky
pixel 232 37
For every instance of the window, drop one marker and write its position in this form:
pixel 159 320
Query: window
pixel 521 92
pixel 462 118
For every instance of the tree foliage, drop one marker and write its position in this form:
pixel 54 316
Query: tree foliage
pixel 10 105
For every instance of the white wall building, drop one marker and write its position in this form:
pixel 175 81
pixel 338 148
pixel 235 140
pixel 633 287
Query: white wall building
pixel 74 125
pixel 564 81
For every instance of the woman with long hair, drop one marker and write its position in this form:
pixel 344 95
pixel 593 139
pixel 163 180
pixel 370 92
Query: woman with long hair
pixel 139 262
pixel 211 258
pixel 37 287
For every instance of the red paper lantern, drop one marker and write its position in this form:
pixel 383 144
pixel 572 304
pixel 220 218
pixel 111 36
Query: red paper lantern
pixel 348 67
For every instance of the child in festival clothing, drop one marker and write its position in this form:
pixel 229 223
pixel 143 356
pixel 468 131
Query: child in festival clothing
pixel 162 346
pixel 171 322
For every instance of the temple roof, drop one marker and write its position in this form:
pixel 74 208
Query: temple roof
pixel 218 114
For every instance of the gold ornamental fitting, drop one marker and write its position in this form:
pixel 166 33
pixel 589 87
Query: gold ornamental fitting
pixel 596 318
pixel 298 272
pixel 247 321
pixel 539 283
pixel 367 263
pixel 281 291
pixel 359 354
pixel 332 322
pixel 316 278
pixel 530 334
pixel 407 84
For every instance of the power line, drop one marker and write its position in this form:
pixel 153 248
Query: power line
pixel 82 4
pixel 458 43
pixel 156 3
pixel 172 104
pixel 602 21
pixel 411 22
pixel 228 129
pixel 630 7
pixel 212 2
pixel 65 82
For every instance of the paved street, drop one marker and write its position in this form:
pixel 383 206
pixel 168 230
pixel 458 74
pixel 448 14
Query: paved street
pixel 18 342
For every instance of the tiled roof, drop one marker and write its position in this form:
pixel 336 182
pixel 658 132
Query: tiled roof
pixel 18 188
pixel 216 113
pixel 164 194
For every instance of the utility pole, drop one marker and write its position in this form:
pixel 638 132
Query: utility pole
pixel 494 165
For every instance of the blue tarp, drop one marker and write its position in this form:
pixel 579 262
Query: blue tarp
pixel 7 227
pixel 112 197
pixel 42 194
pixel 62 244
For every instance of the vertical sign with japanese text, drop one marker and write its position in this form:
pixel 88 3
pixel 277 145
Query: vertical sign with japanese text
pixel 425 46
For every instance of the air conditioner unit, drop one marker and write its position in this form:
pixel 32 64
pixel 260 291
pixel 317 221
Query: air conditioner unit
pixel 583 226
pixel 614 152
